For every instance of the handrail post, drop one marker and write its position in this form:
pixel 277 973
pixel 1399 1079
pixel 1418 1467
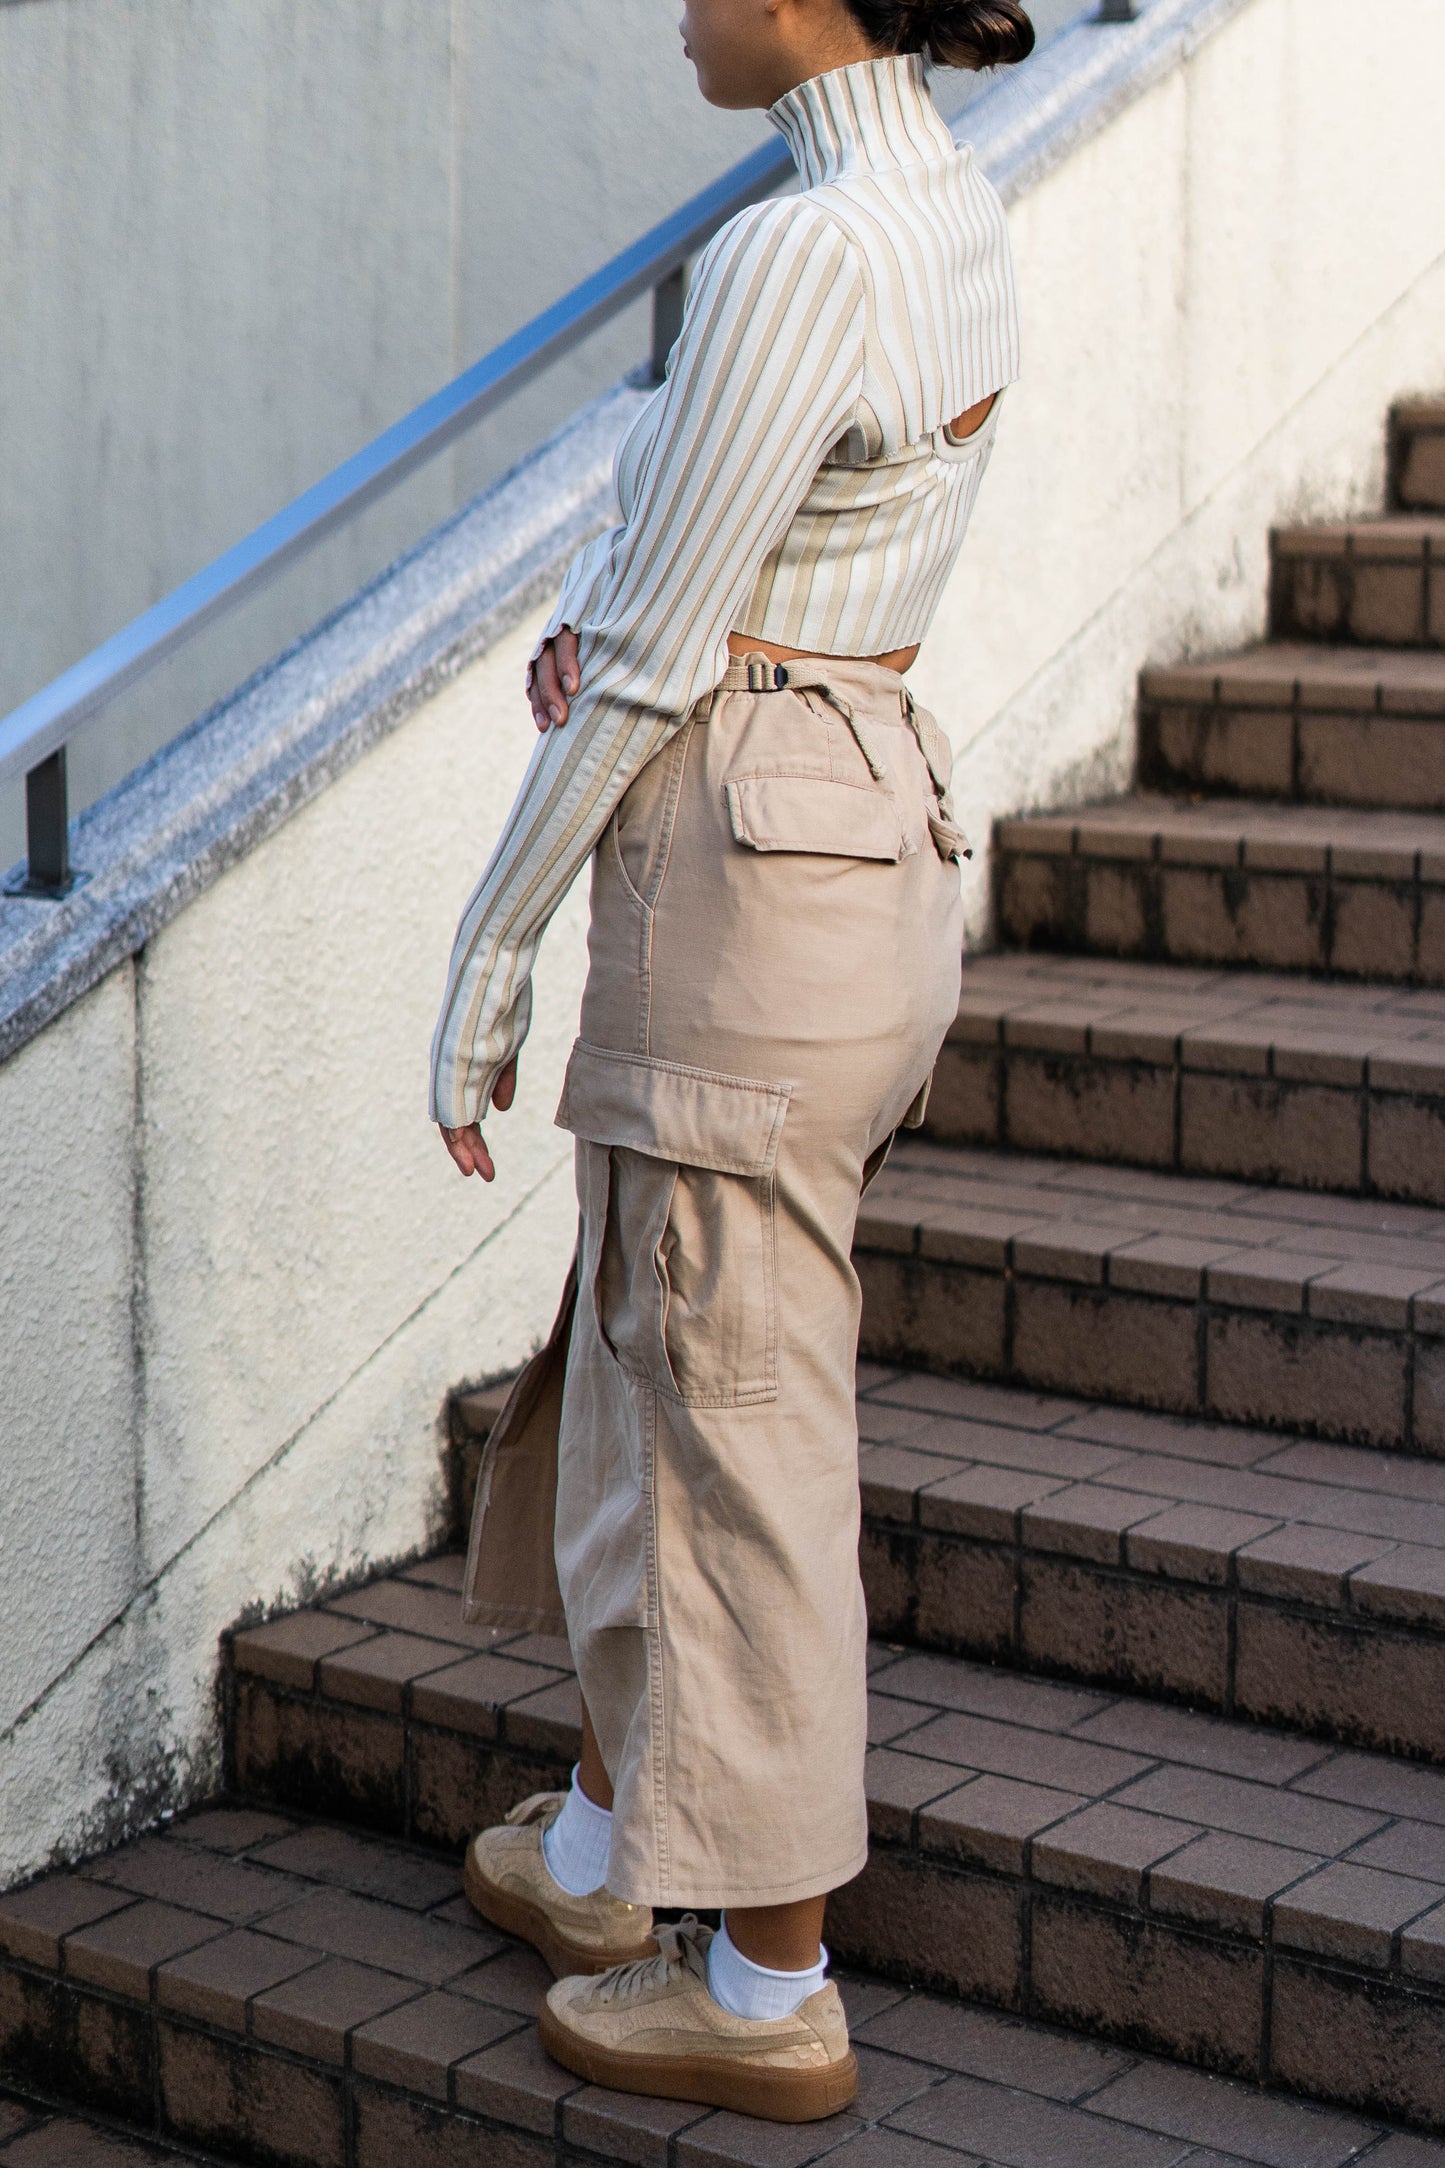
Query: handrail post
pixel 669 298
pixel 47 831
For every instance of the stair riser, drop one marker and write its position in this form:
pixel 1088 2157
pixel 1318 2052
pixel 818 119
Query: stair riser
pixel 169 2078
pixel 419 1781
pixel 1375 602
pixel 1212 1646
pixel 1382 929
pixel 969 1912
pixel 1192 1357
pixel 1115 1971
pixel 1155 1114
pixel 1417 461
pixel 1276 752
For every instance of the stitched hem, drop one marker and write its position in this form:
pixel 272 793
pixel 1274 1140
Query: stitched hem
pixel 517 1617
pixel 711 1896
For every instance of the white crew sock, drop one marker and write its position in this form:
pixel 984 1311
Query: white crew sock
pixel 750 1990
pixel 577 1844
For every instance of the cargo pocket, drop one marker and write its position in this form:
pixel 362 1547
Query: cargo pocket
pixel 683 1271
pixel 817 814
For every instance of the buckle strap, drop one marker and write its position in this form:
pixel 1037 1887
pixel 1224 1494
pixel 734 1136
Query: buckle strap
pixel 948 837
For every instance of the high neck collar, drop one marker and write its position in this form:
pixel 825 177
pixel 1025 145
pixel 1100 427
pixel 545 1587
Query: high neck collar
pixel 862 119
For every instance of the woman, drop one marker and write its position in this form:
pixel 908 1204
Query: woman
pixel 775 949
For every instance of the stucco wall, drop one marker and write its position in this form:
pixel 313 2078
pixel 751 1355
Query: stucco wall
pixel 242 1274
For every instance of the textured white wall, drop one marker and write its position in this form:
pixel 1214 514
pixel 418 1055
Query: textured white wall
pixel 240 1273
pixel 67 1371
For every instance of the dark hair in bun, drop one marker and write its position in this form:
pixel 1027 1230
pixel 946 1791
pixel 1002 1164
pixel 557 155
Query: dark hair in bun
pixel 954 33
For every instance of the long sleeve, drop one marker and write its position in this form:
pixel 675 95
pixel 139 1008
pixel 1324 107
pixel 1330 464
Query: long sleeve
pixel 764 379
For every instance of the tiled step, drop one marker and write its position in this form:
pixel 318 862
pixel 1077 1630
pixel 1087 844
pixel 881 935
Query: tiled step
pixel 1381 582
pixel 1323 1084
pixel 1286 1309
pixel 1329 726
pixel 317 1997
pixel 33 2135
pixel 1417 455
pixel 1297 1583
pixel 1356 893
pixel 1252 1902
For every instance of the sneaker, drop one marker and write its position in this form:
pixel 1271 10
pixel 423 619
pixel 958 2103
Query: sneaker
pixel 653 2027
pixel 509 1882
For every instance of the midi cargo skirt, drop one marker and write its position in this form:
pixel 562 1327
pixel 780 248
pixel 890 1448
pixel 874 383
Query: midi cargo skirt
pixel 775 952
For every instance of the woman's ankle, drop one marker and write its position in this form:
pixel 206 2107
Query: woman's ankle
pixel 781 1938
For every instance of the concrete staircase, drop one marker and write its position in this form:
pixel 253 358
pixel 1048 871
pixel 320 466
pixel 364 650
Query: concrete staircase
pixel 1153 1422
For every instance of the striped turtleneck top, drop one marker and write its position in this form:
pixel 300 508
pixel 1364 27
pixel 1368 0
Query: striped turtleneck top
pixel 795 479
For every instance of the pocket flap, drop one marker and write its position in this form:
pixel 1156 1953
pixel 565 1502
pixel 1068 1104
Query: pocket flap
pixel 697 1117
pixel 817 814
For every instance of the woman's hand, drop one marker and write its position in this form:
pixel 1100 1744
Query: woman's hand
pixel 552 679
pixel 468 1146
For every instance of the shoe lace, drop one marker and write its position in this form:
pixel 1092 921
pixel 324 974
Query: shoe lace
pixel 680 1947
pixel 534 1809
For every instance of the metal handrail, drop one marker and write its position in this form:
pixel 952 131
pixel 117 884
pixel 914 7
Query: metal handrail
pixel 33 736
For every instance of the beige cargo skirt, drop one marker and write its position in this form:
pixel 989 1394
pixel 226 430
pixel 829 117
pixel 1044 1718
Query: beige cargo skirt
pixel 775 953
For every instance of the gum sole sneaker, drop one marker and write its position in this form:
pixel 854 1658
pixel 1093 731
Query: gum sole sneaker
pixel 652 2027
pixel 508 1881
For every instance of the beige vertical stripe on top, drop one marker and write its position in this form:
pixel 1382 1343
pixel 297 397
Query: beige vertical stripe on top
pixel 793 479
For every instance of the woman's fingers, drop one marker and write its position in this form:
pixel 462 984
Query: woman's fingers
pixel 468 1150
pixel 552 676
pixel 467 1146
pixel 505 1090
pixel 549 685
pixel 539 712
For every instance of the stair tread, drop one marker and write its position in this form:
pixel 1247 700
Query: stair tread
pixel 1255 1022
pixel 1393 535
pixel 1301 1310
pixel 1266 834
pixel 1399 681
pixel 948 1197
pixel 454 2035
pixel 1316 1522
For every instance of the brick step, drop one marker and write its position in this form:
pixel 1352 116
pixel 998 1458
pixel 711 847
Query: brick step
pixel 1282 1308
pixel 1358 894
pixel 1252 1902
pixel 1297 1583
pixel 1325 726
pixel 313 1995
pixel 1320 1083
pixel 1380 581
pixel 36 2135
pixel 1417 455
